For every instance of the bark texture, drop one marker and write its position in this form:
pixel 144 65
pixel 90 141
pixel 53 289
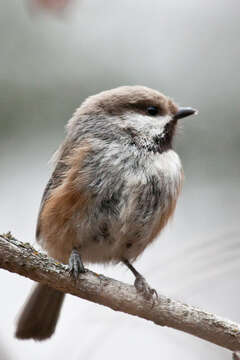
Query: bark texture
pixel 23 259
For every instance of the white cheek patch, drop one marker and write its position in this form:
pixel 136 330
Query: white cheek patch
pixel 149 125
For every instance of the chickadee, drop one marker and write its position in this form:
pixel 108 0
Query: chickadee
pixel 114 187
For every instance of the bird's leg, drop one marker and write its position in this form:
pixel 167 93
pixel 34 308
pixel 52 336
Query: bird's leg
pixel 76 266
pixel 140 283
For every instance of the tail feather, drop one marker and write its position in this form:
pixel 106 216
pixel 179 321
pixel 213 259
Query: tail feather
pixel 40 314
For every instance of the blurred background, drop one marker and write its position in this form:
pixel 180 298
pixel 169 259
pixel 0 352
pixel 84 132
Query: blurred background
pixel 49 62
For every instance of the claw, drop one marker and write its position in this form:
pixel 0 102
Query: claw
pixel 142 287
pixel 75 264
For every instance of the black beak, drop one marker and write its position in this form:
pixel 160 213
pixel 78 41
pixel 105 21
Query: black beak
pixel 184 112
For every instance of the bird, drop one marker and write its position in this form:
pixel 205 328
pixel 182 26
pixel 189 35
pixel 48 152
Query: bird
pixel 114 187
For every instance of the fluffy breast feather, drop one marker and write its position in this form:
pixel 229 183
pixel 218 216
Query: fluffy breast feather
pixel 110 204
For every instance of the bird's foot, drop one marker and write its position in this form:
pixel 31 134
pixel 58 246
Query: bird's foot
pixel 76 266
pixel 143 288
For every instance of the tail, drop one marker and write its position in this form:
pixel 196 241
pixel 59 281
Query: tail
pixel 40 314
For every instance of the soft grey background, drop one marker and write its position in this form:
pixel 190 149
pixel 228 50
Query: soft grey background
pixel 189 50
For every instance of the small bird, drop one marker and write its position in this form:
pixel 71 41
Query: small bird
pixel 114 187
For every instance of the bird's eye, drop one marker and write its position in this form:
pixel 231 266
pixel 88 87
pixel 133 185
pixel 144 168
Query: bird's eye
pixel 152 110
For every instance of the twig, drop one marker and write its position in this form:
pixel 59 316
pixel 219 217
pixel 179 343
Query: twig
pixel 23 259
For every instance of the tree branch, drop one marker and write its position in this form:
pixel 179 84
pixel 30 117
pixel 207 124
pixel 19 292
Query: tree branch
pixel 23 259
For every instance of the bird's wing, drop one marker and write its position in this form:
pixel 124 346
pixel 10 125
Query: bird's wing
pixel 64 184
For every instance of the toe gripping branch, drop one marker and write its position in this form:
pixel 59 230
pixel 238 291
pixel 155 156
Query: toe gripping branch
pixel 141 284
pixel 76 266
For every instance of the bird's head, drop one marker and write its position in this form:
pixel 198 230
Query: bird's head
pixel 146 117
